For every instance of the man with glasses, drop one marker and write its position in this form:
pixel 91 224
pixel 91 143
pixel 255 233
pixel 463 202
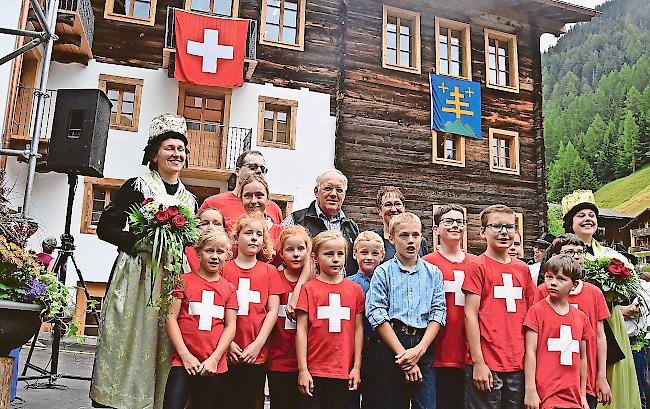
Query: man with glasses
pixel 390 203
pixel 325 213
pixel 229 204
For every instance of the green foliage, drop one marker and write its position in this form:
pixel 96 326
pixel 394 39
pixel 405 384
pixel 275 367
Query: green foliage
pixel 555 223
pixel 597 95
pixel 618 192
pixel 568 173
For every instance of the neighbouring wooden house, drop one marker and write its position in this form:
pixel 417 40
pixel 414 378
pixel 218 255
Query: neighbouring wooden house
pixel 327 83
pixel 639 229
pixel 612 227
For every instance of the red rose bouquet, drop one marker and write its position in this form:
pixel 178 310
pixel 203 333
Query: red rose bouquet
pixel 620 284
pixel 166 230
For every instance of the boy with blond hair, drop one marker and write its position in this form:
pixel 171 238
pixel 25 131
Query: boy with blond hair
pixel 369 251
pixel 498 292
pixel 406 307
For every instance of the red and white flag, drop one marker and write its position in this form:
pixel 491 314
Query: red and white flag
pixel 210 50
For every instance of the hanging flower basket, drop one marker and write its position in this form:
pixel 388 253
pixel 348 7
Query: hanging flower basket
pixel 18 322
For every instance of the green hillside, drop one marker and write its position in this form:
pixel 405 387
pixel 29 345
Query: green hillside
pixel 630 194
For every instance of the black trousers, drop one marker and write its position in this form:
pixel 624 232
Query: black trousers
pixel 283 390
pixel 244 386
pixel 203 390
pixel 450 388
pixel 329 393
pixel 367 394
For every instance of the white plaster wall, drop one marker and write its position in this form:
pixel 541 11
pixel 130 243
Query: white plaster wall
pixel 9 18
pixel 292 172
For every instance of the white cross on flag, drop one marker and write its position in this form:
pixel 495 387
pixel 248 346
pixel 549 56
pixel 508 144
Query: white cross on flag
pixel 565 345
pixel 206 310
pixel 333 312
pixel 210 50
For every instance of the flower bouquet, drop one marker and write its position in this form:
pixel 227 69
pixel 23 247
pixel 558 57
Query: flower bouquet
pixel 620 284
pixel 23 279
pixel 165 230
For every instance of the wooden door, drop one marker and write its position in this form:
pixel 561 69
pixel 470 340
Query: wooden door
pixel 205 131
pixel 22 115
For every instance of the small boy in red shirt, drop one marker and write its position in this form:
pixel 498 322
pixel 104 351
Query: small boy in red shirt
pixel 498 292
pixel 556 347
pixel 329 333
pixel 450 346
pixel 589 299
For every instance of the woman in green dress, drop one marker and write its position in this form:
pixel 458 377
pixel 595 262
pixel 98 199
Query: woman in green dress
pixel 132 358
pixel 580 215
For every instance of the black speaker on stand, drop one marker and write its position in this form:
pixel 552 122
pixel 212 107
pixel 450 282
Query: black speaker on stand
pixel 77 147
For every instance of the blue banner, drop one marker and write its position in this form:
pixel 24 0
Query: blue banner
pixel 455 106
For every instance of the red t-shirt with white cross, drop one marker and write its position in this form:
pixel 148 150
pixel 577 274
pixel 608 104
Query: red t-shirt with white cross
pixel 282 344
pixel 331 310
pixel 450 347
pixel 506 291
pixel 254 285
pixel 589 299
pixel 557 373
pixel 201 318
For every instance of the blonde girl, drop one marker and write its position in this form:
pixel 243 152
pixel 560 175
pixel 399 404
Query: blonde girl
pixel 209 217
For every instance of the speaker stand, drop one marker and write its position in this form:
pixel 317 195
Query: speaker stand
pixel 66 252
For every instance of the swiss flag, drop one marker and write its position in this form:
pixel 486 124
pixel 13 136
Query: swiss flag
pixel 210 50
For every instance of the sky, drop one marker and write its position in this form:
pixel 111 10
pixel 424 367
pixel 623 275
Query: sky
pixel 548 40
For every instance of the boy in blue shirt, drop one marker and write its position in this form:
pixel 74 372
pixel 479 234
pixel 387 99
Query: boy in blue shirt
pixel 406 307
pixel 368 250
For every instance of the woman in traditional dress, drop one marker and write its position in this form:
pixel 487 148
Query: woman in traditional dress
pixel 133 354
pixel 580 215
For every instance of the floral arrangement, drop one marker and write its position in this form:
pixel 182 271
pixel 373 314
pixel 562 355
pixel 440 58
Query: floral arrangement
pixel 165 230
pixel 23 279
pixel 620 284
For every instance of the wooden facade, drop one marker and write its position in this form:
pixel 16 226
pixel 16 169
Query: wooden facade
pixel 382 115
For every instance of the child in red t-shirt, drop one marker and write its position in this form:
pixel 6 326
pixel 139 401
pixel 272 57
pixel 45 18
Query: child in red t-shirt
pixel 329 334
pixel 201 325
pixel 258 296
pixel 556 347
pixel 589 299
pixel 450 346
pixel 209 217
pixel 498 292
pixel 295 247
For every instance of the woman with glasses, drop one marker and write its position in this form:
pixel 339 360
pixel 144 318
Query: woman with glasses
pixel 580 215
pixel 390 202
pixel 229 203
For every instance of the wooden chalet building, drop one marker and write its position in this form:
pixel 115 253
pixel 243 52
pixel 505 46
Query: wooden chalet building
pixel 340 83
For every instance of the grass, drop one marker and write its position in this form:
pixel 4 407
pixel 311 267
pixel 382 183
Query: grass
pixel 630 194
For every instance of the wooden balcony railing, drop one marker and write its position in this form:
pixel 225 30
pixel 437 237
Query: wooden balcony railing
pixel 21 126
pixel 214 148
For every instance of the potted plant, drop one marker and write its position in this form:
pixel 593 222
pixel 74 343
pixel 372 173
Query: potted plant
pixel 28 294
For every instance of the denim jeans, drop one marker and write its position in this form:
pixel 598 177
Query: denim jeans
pixel 640 363
pixel 507 391
pixel 393 392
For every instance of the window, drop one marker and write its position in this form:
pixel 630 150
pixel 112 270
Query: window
pixel 228 8
pixel 283 23
pixel 276 126
pixel 401 40
pixel 125 95
pixel 436 240
pixel 84 312
pixel 97 195
pixel 504 151
pixel 501 61
pixel 132 11
pixel 285 202
pixel 453 49
pixel 448 149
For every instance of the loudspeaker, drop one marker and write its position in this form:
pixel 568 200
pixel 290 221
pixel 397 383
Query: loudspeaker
pixel 79 132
